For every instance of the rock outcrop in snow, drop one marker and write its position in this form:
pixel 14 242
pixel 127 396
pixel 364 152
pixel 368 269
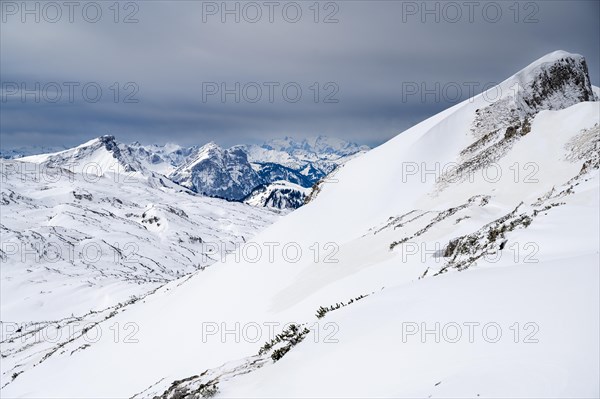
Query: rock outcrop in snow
pixel 554 82
pixel 279 195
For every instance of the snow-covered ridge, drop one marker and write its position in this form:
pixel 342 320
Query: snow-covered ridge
pixel 97 156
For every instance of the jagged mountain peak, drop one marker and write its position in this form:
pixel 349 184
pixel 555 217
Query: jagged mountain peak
pixel 218 172
pixel 207 150
pixel 107 138
pixel 217 153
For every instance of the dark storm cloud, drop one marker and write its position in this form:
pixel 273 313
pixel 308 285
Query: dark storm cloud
pixel 171 56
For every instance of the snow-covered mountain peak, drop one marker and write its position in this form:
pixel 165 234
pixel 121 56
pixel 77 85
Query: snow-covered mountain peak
pixel 208 150
pixel 107 141
pixel 554 81
pixel 98 156
pixel 218 172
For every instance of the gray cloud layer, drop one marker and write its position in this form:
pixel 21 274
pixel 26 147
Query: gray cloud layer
pixel 369 57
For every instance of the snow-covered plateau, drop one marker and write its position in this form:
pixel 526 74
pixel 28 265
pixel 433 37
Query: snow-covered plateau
pixel 459 259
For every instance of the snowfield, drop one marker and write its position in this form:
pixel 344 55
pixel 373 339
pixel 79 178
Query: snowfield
pixel 459 259
pixel 85 238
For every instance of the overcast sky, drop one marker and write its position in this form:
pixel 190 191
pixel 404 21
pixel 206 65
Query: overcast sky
pixel 162 66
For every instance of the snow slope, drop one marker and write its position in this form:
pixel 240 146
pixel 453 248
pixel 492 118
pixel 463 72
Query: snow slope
pixel 505 230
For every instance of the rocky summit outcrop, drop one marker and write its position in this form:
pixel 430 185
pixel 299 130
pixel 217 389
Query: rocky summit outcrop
pixel 554 82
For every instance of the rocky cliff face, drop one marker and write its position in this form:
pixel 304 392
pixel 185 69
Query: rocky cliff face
pixel 218 172
pixel 555 82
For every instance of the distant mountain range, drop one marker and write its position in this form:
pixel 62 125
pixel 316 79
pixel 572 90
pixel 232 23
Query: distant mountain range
pixel 240 173
pixel 234 173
